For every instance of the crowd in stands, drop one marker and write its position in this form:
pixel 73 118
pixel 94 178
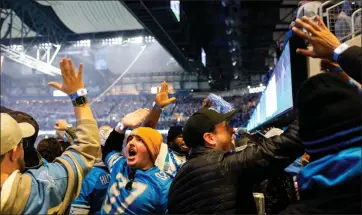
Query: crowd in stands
pixel 201 167
pixel 109 108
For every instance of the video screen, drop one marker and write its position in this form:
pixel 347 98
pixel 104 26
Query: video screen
pixel 203 57
pixel 175 7
pixel 278 96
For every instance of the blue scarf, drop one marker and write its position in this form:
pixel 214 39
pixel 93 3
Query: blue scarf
pixel 331 170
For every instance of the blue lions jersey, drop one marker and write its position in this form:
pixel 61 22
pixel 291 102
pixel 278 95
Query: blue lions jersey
pixel 148 194
pixel 93 192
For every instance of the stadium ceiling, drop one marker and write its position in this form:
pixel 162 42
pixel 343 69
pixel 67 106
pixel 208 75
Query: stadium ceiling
pixel 236 35
pixel 79 17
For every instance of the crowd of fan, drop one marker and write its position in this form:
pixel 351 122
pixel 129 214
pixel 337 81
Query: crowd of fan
pixel 202 167
pixel 109 109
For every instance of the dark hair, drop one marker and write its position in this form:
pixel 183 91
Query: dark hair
pixel 49 149
pixel 2 158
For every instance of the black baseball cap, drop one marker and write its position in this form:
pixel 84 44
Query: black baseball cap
pixel 201 122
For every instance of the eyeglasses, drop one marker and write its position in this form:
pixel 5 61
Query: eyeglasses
pixel 131 177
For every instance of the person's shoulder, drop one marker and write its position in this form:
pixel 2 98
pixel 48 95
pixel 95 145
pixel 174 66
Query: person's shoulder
pixel 54 170
pixel 161 177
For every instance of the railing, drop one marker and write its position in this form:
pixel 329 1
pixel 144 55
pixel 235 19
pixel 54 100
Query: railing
pixel 356 31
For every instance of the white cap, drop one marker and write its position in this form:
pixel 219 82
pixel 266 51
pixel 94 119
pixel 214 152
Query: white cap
pixel 12 132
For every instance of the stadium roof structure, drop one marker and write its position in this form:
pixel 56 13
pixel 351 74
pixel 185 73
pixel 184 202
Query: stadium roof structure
pixel 237 36
pixel 93 16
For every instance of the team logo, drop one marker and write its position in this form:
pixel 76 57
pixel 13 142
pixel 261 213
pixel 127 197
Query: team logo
pixel 45 177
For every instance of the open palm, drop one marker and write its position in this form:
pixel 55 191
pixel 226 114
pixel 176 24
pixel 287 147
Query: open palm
pixel 162 99
pixel 134 119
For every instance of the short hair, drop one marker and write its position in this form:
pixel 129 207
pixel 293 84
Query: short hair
pixel 2 158
pixel 50 149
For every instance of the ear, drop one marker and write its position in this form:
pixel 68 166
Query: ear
pixel 209 140
pixel 12 154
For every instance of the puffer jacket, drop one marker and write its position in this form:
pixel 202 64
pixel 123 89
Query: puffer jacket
pixel 221 183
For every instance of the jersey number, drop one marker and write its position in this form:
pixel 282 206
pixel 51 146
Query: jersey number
pixel 137 189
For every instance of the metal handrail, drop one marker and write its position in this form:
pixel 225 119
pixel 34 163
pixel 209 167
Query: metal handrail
pixel 330 8
pixel 352 17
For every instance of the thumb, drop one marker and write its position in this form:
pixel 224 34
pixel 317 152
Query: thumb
pixel 171 100
pixel 55 85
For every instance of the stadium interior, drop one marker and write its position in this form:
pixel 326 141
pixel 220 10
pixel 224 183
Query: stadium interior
pixel 242 53
pixel 129 47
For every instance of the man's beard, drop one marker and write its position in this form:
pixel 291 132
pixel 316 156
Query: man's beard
pixel 21 165
pixel 176 148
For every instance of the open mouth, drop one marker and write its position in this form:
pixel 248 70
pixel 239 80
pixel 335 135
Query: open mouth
pixel 132 152
pixel 183 146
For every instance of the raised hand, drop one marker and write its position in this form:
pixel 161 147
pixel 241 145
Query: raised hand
pixel 206 103
pixel 162 99
pixel 71 81
pixel 134 119
pixel 61 125
pixel 323 41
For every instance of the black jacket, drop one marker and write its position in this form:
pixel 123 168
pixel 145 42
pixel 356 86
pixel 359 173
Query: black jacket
pixel 351 62
pixel 344 199
pixel 279 192
pixel 216 182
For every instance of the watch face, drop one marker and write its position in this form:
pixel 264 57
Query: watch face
pixel 79 101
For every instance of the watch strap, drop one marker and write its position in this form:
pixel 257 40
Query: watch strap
pixel 80 92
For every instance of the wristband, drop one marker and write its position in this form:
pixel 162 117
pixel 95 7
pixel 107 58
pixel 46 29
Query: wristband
pixel 157 106
pixel 121 127
pixel 80 92
pixel 339 50
pixel 337 69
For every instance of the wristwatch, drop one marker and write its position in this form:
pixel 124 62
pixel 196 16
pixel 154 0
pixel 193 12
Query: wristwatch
pixel 79 101
pixel 339 50
pixel 79 98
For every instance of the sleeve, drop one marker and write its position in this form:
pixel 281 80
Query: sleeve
pixel 82 204
pixel 55 185
pixel 111 159
pixel 79 158
pixel 114 142
pixel 71 132
pixel 268 156
pixel 351 62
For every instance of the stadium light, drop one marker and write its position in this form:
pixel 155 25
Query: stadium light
pixel 82 43
pixel 18 48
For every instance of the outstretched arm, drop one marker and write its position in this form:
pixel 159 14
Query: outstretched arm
pixel 161 101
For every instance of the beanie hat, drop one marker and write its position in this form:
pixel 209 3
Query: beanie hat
pixel 329 115
pixel 173 132
pixel 151 138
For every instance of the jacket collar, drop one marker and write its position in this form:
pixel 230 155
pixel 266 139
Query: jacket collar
pixel 198 151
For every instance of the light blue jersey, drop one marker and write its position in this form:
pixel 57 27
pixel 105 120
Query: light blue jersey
pixel 147 196
pixel 93 192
